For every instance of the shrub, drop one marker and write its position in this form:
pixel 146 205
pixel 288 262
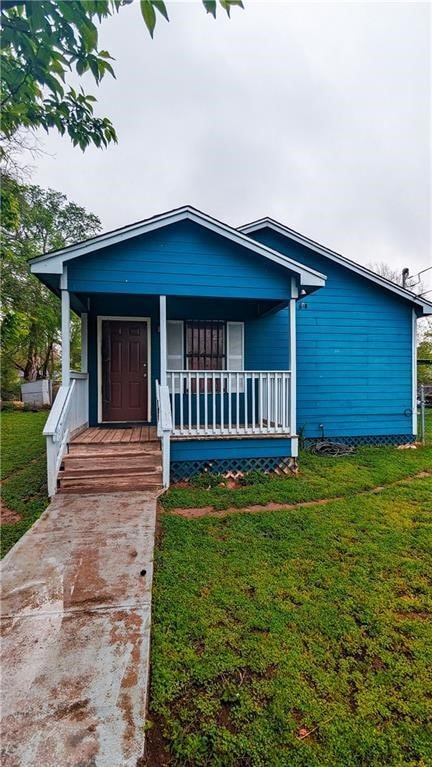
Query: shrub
pixel 207 480
pixel 255 477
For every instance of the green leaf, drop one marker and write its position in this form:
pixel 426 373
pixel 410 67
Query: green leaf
pixel 81 66
pixel 161 7
pixel 149 15
pixel 89 34
pixel 106 67
pixel 94 68
pixel 227 4
pixel 210 6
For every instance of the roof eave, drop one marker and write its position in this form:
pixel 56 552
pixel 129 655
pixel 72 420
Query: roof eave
pixel 52 263
pixel 253 226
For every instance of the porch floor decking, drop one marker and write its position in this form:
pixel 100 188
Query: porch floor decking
pixel 242 432
pixel 96 435
pixel 111 434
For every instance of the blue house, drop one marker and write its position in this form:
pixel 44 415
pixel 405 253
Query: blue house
pixel 209 348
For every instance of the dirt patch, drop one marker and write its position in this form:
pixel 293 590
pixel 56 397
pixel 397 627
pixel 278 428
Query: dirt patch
pixel 7 516
pixel 210 511
pixel 156 753
pixel 416 615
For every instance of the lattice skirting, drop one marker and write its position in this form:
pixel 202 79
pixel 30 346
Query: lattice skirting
pixel 372 439
pixel 231 467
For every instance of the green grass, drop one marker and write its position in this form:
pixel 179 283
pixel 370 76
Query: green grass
pixel 23 472
pixel 318 477
pixel 314 619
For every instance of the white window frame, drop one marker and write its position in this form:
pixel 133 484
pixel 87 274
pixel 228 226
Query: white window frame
pixel 228 353
pixel 228 324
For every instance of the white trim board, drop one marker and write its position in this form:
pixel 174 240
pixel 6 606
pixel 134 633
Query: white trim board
pixel 99 319
pixel 270 223
pixel 52 263
pixel 414 372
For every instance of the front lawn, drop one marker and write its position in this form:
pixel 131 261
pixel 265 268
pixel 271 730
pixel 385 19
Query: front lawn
pixel 298 638
pixel 319 477
pixel 23 472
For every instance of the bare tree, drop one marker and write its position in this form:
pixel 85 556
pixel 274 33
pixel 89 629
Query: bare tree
pixel 394 275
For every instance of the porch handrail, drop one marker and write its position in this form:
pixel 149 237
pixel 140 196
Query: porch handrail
pixel 164 428
pixel 225 402
pixel 69 414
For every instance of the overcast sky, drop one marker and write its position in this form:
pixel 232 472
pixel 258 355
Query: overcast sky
pixel 318 115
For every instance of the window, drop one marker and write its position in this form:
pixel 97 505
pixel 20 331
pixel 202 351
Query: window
pixel 205 345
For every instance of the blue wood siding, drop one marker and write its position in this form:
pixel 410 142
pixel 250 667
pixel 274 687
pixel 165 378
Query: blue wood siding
pixel 217 449
pixel 354 352
pixel 267 342
pixel 182 259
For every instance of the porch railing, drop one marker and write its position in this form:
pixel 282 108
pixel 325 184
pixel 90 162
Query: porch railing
pixel 68 415
pixel 221 402
pixel 164 428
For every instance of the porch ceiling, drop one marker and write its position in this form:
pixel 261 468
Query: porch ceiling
pixel 178 307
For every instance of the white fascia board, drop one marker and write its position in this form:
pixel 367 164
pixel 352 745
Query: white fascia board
pixel 47 267
pixel 337 257
pixel 52 263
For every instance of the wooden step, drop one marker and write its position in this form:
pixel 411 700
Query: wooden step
pixel 107 463
pixel 115 448
pixel 110 484
pixel 115 471
pixel 97 490
pixel 112 460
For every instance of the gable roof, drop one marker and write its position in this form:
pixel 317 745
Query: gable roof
pixel 52 263
pixel 270 223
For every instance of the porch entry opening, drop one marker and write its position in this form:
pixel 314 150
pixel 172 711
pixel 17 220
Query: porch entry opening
pixel 124 371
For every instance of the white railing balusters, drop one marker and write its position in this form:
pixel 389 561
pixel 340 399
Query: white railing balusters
pixel 198 400
pixel 268 402
pixel 181 392
pixel 69 414
pixel 261 410
pixel 164 426
pixel 205 404
pixel 237 403
pixel 189 391
pixel 258 402
pixel 173 389
pixel 253 403
pixel 245 403
pixel 222 398
pixel 283 400
pixel 229 404
pixel 213 402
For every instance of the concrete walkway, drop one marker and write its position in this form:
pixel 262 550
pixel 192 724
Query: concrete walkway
pixel 76 633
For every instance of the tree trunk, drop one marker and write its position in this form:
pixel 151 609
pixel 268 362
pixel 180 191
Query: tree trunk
pixel 32 366
pixel 47 359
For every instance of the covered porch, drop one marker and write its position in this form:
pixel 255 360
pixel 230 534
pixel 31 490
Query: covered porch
pixel 205 369
pixel 187 325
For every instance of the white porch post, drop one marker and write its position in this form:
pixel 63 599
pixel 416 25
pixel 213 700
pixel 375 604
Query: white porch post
pixel 84 342
pixel 164 397
pixel 293 366
pixel 65 328
pixel 163 340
